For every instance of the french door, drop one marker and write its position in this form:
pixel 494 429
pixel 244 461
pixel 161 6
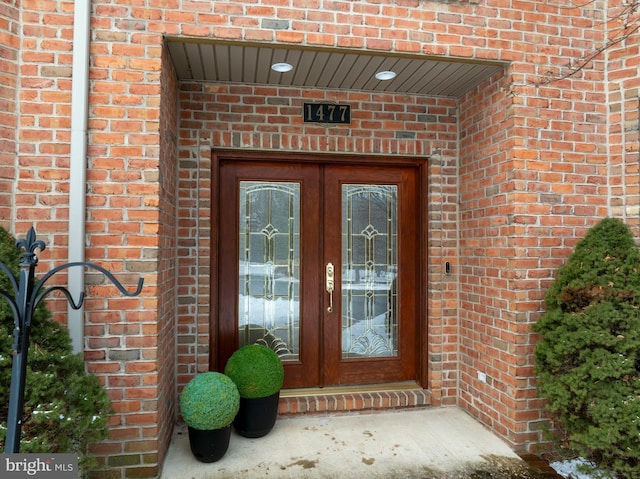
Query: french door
pixel 319 261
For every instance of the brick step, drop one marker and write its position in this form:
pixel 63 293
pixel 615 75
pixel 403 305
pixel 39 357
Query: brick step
pixel 342 399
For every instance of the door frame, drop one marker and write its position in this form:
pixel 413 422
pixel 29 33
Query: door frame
pixel 420 163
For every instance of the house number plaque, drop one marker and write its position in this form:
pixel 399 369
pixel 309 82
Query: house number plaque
pixel 326 113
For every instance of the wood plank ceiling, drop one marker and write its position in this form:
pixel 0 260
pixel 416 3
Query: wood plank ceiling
pixel 327 69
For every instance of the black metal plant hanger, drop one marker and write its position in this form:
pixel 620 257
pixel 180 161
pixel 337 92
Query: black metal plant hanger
pixel 27 295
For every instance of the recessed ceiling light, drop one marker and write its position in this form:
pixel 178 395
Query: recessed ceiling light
pixel 282 67
pixel 386 75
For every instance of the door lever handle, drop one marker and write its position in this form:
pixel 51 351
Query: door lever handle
pixel 329 284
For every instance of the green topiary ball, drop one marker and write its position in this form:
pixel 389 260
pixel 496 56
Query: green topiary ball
pixel 256 370
pixel 209 401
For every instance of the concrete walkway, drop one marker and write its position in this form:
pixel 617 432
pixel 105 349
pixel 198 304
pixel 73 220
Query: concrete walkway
pixel 442 443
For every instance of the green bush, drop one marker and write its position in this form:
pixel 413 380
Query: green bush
pixel 65 409
pixel 209 401
pixel 257 371
pixel 588 358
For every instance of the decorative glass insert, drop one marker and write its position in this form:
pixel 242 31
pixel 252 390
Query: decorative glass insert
pixel 369 270
pixel 269 272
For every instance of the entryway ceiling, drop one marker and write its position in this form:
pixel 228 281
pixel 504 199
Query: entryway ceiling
pixel 326 68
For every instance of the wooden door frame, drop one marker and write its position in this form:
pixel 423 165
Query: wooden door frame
pixel 420 163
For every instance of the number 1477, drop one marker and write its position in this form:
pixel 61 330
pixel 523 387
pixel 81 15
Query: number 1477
pixel 327 113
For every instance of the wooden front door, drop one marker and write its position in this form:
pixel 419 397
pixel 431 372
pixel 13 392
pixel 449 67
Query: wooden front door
pixel 319 260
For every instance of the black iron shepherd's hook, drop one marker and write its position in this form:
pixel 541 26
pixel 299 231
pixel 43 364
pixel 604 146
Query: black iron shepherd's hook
pixel 27 294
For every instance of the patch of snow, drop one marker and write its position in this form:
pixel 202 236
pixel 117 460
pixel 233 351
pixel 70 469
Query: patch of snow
pixel 571 469
pixel 40 411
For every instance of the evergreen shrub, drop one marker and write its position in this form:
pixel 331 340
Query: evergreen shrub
pixel 65 409
pixel 588 358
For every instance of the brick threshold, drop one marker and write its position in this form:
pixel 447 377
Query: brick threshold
pixel 353 399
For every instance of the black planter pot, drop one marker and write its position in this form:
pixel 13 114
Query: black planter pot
pixel 210 445
pixel 257 416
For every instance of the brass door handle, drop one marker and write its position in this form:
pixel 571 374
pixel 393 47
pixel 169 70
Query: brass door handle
pixel 329 284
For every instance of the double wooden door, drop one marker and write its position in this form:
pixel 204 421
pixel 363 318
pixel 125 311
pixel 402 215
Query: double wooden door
pixel 320 262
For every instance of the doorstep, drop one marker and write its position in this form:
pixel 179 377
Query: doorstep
pixel 414 443
pixel 404 395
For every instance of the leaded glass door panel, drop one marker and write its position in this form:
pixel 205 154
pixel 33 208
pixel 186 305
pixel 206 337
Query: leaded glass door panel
pixel 371 237
pixel 269 266
pixel 268 288
pixel 318 261
pixel 369 270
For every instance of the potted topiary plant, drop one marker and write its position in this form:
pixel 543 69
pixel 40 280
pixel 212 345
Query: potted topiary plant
pixel 209 403
pixel 258 373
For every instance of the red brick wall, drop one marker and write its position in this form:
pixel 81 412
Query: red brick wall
pixel 382 124
pixel 130 230
pixel 518 171
pixel 623 88
pixel 44 94
pixel 9 44
pixel 39 45
pixel 194 245
pixel 533 178
pixel 167 265
pixel 146 405
pixel 139 358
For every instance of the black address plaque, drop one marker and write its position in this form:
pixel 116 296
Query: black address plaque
pixel 326 113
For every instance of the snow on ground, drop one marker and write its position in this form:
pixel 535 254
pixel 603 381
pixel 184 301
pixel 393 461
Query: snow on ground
pixel 571 469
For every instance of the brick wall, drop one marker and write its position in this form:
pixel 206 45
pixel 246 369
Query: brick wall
pixel 139 360
pixel 168 278
pixel 533 178
pixel 623 88
pixel 215 116
pixel 9 46
pixel 44 93
pixel 40 147
pixel 130 231
pixel 518 170
pixel 195 242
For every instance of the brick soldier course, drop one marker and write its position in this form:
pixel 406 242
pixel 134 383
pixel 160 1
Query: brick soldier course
pixel 518 169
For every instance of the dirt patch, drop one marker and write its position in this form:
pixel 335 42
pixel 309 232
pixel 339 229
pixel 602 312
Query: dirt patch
pixel 304 463
pixel 493 467
pixel 497 467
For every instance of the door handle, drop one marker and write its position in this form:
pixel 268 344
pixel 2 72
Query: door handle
pixel 329 284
